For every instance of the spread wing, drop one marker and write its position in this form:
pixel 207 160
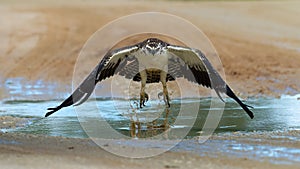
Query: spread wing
pixel 111 63
pixel 193 65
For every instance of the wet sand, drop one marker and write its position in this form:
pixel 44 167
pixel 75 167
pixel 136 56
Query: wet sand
pixel 33 151
pixel 257 43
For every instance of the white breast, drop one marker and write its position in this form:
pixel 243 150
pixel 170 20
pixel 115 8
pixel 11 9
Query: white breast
pixel 157 61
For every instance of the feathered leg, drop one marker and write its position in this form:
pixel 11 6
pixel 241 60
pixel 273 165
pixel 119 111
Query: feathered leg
pixel 163 79
pixel 143 95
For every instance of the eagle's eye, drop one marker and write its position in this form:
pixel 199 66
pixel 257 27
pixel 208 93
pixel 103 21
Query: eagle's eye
pixel 153 48
pixel 152 45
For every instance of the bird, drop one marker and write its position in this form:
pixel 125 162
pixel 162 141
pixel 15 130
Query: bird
pixel 153 61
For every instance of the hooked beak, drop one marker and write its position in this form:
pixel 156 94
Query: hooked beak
pixel 153 52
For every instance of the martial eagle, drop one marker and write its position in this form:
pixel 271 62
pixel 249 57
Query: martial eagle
pixel 151 61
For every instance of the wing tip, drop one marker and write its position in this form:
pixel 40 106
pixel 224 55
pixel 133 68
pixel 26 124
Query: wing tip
pixel 248 111
pixel 52 110
pixel 246 107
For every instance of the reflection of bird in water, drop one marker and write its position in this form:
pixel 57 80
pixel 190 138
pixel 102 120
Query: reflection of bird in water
pixel 153 61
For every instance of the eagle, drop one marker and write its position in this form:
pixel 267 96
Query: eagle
pixel 153 61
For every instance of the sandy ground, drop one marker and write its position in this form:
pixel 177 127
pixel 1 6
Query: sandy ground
pixel 32 151
pixel 257 41
pixel 258 44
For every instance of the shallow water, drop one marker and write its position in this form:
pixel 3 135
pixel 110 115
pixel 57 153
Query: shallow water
pixel 270 115
pixel 273 135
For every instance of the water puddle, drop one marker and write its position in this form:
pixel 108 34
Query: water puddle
pixel 270 115
pixel 238 148
pixel 20 89
pixel 273 134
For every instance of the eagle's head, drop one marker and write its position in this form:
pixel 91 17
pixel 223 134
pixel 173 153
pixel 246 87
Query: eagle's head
pixel 153 46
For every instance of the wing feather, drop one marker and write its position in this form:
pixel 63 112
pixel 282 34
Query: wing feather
pixel 202 72
pixel 105 69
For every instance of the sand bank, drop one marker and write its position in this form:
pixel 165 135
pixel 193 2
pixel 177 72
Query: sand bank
pixel 256 41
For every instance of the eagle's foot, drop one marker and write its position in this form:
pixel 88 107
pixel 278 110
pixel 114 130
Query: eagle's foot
pixel 144 97
pixel 167 102
pixel 166 98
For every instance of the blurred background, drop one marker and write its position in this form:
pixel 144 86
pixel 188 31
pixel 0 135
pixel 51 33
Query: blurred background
pixel 258 43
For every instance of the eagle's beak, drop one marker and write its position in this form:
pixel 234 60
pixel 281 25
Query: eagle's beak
pixel 153 52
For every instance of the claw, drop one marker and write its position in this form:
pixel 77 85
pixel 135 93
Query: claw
pixel 144 97
pixel 166 100
pixel 166 96
pixel 168 104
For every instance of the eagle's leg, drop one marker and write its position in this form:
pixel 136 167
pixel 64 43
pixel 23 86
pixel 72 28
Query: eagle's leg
pixel 143 95
pixel 163 79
